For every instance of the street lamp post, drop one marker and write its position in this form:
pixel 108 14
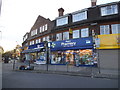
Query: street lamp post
pixel 47 53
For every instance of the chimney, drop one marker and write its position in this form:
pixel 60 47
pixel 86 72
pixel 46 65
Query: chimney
pixel 61 11
pixel 93 2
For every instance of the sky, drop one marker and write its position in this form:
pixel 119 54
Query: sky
pixel 18 16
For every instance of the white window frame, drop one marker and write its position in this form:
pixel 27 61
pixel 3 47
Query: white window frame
pixel 44 38
pixel 46 27
pixel 32 42
pixel 58 36
pixel 76 34
pixel 62 21
pixel 104 29
pixel 64 35
pixel 33 32
pixel 79 16
pixel 40 29
pixel 115 28
pixel 48 38
pixel 39 40
pixel 43 28
pixel 109 10
pixel 85 32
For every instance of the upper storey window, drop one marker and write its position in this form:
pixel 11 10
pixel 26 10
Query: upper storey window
pixel 43 28
pixel 104 29
pixel 34 32
pixel 79 16
pixel 62 21
pixel 58 36
pixel 108 10
pixel 115 28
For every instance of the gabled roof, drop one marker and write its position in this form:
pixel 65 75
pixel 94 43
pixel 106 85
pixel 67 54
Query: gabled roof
pixel 39 21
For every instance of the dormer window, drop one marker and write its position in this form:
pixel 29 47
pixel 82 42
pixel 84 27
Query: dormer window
pixel 62 21
pixel 108 10
pixel 79 16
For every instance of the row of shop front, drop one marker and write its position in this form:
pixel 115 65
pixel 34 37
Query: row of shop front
pixel 78 52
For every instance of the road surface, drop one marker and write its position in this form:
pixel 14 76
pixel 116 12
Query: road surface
pixel 15 79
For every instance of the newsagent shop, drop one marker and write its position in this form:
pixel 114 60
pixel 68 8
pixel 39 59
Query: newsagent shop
pixel 36 52
pixel 78 52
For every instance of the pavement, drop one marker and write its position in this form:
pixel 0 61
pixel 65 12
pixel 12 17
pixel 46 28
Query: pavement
pixel 47 79
pixel 83 73
pixel 71 74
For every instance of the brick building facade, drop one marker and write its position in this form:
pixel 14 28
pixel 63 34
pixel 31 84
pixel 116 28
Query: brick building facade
pixel 83 38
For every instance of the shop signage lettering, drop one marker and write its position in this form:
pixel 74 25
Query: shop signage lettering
pixel 88 41
pixel 68 44
pixel 36 46
pixel 72 44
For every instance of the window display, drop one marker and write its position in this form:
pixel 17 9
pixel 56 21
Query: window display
pixel 74 57
pixel 41 58
pixel 86 57
pixel 69 56
pixel 58 57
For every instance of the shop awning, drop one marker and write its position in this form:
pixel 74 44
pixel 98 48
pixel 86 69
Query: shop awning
pixel 72 44
pixel 32 50
pixel 72 48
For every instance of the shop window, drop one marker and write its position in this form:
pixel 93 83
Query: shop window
pixel 115 28
pixel 74 57
pixel 69 54
pixel 58 36
pixel 57 57
pixel 65 35
pixel 104 29
pixel 108 10
pixel 84 32
pixel 79 16
pixel 41 59
pixel 62 21
pixel 76 34
pixel 86 57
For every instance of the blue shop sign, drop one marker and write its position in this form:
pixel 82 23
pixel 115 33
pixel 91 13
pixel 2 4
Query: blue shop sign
pixel 36 46
pixel 81 43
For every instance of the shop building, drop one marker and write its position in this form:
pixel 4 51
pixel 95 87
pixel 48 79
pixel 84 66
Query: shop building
pixel 82 38
pixel 35 40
